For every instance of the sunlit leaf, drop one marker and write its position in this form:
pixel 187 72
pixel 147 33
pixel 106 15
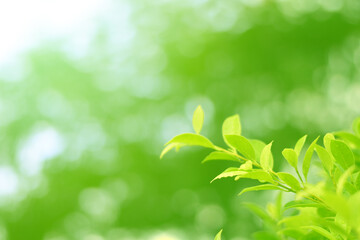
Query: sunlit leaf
pixel 198 119
pixel 299 145
pixel 261 213
pixel 241 144
pixel 259 175
pixel 232 126
pixel 218 236
pixel 321 231
pixel 258 147
pixel 168 148
pixel 325 158
pixel 291 156
pixel 342 154
pixel 266 158
pixel 221 156
pixel 301 204
pixel 192 139
pixel 342 180
pixel 246 166
pixel 230 172
pixel 261 187
pixel 327 139
pixel 307 158
pixel 351 139
pixel 290 180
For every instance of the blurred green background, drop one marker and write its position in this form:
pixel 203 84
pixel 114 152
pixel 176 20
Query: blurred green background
pixel 91 90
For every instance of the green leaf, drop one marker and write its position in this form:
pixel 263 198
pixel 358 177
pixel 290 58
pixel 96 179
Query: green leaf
pixel 321 231
pixel 258 147
pixel 351 139
pixel 357 181
pixel 241 144
pixel 299 145
pixel 257 174
pixel 342 154
pixel 261 187
pixel 301 204
pixel 291 156
pixel 327 139
pixel 307 158
pixel 218 236
pixel 356 126
pixel 266 158
pixel 230 172
pixel 220 156
pixel 232 126
pixel 290 180
pixel 325 158
pixel 342 180
pixel 198 119
pixel 192 139
pixel 246 166
pixel 168 148
pixel 259 212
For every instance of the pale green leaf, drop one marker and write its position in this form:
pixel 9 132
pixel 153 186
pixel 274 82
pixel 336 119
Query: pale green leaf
pixel 230 172
pixel 218 236
pixel 290 180
pixel 301 204
pixel 326 159
pixel 261 187
pixel 257 174
pixel 221 156
pixel 259 212
pixel 351 139
pixel 299 145
pixel 232 126
pixel 198 119
pixel 321 231
pixel 357 181
pixel 246 166
pixel 192 139
pixel 241 144
pixel 167 149
pixel 291 156
pixel 327 139
pixel 342 154
pixel 266 158
pixel 342 180
pixel 258 147
pixel 307 158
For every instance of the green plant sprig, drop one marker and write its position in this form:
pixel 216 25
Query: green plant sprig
pixel 339 158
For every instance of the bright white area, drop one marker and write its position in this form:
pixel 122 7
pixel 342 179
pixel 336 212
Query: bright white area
pixel 23 24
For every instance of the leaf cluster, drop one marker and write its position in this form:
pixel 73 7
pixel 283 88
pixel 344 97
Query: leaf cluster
pixel 327 209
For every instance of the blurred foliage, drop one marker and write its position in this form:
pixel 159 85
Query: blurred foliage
pixel 84 116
